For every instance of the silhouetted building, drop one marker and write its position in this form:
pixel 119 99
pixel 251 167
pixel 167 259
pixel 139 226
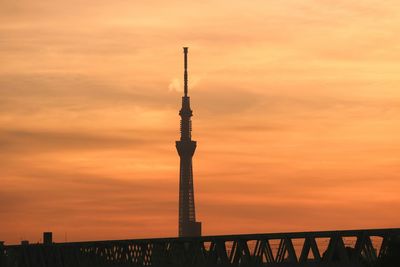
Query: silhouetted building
pixel 47 238
pixel 186 147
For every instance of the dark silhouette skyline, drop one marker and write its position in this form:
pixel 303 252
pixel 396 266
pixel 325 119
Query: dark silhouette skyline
pixel 188 226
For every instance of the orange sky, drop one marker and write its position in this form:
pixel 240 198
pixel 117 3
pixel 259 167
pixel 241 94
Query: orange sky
pixel 296 113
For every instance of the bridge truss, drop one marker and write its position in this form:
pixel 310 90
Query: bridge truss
pixel 324 248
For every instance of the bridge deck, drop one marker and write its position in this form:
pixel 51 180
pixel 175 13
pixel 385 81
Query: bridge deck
pixel 265 249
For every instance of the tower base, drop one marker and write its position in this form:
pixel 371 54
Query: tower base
pixel 191 229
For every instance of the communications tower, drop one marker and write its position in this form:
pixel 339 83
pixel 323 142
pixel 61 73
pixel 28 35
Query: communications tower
pixel 186 147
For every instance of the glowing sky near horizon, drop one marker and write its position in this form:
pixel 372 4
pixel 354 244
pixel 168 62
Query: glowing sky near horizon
pixel 296 114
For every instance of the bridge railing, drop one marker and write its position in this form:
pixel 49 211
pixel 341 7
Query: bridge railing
pixel 323 248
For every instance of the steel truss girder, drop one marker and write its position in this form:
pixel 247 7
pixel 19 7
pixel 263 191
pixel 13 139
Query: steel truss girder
pixel 231 250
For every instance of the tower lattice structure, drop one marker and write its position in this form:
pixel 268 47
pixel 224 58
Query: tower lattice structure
pixel 186 148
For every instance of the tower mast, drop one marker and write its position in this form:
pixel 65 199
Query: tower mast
pixel 185 74
pixel 188 226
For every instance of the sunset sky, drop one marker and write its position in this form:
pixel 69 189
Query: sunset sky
pixel 296 113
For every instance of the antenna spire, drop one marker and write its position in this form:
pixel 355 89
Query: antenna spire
pixel 185 51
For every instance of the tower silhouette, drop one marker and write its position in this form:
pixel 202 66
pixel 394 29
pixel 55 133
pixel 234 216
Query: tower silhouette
pixel 186 147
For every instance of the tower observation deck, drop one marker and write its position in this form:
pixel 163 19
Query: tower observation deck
pixel 188 226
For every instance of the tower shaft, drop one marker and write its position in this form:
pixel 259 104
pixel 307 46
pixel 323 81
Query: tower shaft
pixel 186 148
